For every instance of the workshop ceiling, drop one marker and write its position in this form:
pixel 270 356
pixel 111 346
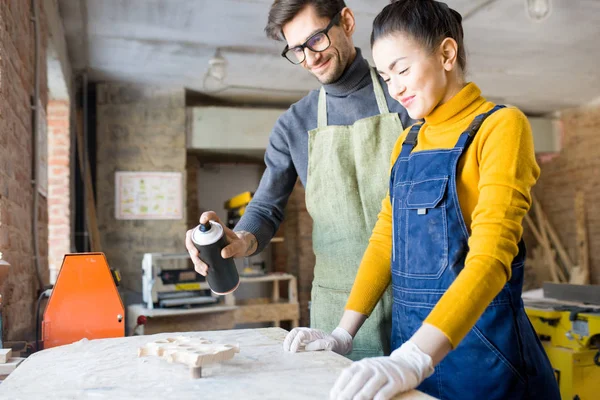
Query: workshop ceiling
pixel 540 66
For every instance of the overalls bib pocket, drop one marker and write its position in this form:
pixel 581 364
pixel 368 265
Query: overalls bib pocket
pixel 421 229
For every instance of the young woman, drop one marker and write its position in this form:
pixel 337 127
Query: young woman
pixel 450 229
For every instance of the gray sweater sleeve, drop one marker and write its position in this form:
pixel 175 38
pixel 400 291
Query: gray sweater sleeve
pixel 266 210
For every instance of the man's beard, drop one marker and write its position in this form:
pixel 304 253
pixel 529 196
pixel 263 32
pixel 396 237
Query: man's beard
pixel 334 72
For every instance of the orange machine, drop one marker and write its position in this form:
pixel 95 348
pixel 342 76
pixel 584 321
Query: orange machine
pixel 84 302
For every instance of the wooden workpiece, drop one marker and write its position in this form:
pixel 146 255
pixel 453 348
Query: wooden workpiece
pixel 111 369
pixel 5 355
pixel 192 351
pixel 9 366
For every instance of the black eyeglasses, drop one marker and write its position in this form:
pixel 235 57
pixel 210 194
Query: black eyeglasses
pixel 318 42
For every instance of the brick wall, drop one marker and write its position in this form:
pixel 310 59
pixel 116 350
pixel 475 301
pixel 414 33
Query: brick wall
pixel 139 129
pixel 59 226
pixel 577 167
pixel 16 194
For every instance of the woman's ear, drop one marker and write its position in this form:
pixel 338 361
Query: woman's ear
pixel 347 21
pixel 449 54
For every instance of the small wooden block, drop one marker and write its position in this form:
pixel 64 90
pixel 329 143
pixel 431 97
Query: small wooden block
pixel 193 352
pixel 5 354
pixel 10 365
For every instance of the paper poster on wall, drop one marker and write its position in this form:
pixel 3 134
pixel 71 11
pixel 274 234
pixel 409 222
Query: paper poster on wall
pixel 148 195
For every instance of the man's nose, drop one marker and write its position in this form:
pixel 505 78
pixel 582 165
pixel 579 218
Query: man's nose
pixel 312 57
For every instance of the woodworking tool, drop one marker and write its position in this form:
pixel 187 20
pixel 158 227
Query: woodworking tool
pixel 236 207
pixel 84 303
pixel 570 333
pixel 210 239
pixel 169 280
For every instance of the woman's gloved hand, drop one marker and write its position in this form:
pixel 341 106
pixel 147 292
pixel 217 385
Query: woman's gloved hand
pixel 339 340
pixel 381 378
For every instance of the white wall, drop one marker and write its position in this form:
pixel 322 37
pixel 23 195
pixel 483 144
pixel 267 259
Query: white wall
pixel 219 182
pixel 230 128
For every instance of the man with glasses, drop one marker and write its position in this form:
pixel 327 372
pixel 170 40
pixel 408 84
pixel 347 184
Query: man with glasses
pixel 338 141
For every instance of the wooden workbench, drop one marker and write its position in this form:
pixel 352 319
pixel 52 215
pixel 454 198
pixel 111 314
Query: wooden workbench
pixel 111 369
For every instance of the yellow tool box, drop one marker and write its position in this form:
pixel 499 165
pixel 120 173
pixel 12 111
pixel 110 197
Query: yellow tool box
pixel 236 207
pixel 570 333
pixel 241 200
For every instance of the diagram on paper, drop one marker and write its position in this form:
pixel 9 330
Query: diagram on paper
pixel 148 195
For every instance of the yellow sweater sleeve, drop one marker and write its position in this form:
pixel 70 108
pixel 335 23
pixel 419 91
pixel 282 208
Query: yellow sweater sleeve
pixel 507 170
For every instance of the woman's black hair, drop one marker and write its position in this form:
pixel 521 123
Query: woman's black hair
pixel 427 21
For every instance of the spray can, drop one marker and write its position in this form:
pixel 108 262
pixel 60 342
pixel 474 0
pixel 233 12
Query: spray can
pixel 210 239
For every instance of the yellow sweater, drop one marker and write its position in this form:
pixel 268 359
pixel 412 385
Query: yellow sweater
pixel 494 180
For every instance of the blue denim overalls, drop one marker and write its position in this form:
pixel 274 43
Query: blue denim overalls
pixel 501 357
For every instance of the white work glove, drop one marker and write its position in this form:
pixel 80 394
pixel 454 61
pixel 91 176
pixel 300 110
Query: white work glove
pixel 339 340
pixel 381 378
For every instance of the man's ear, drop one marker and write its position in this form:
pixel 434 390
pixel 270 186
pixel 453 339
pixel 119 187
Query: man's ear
pixel 347 21
pixel 449 54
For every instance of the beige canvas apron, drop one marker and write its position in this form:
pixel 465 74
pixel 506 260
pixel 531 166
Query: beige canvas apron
pixel 348 175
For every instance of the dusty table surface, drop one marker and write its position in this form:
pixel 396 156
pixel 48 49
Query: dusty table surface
pixel 111 369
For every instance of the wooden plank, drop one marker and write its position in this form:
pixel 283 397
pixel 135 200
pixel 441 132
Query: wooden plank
pixel 230 299
pixel 589 294
pixel 275 295
pixel 266 278
pixel 266 313
pixel 555 241
pixel 187 323
pixel 182 320
pixel 5 355
pixel 580 274
pixel 560 250
pixel 536 260
pixel 533 228
pixel 139 309
pixel 293 298
pixel 16 346
pixel 275 298
pixel 10 365
pixel 253 301
pixel 545 243
pixel 293 290
pixel 548 265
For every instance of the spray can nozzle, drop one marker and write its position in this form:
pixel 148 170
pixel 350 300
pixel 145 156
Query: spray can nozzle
pixel 205 227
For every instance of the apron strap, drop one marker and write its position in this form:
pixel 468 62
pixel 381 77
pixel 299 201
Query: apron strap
pixel 467 136
pixel 322 109
pixel 379 95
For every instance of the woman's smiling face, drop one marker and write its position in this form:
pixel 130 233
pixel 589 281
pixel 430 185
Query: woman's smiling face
pixel 415 76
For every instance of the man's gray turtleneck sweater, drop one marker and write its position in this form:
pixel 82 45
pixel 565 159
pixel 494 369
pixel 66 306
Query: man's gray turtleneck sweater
pixel 349 99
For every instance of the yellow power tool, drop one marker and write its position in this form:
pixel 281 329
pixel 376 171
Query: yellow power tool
pixel 569 329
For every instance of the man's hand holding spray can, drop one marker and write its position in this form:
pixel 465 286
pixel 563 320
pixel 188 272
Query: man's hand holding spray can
pixel 212 247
